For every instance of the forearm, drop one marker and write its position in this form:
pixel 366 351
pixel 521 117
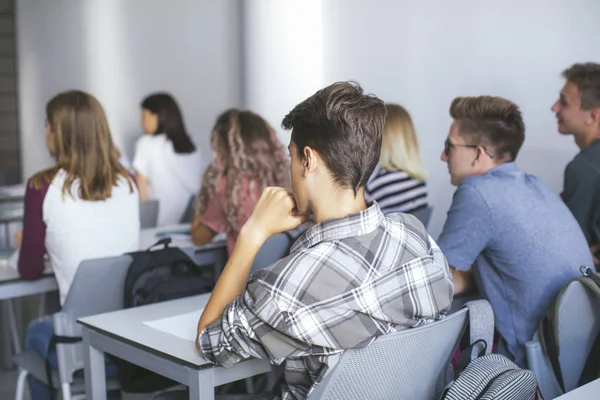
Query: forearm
pixel 142 184
pixel 201 234
pixel 463 281
pixel 232 280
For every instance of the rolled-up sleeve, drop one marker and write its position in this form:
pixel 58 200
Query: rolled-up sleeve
pixel 252 326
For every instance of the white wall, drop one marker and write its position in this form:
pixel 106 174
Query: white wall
pixel 283 57
pixel 121 51
pixel 422 55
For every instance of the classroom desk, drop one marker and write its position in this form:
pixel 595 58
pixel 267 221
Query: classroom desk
pixel 123 333
pixel 586 392
pixel 13 286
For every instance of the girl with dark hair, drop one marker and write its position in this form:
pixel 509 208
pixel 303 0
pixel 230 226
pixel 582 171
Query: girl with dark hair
pixel 168 167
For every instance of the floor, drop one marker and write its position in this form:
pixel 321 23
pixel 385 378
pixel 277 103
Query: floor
pixel 8 384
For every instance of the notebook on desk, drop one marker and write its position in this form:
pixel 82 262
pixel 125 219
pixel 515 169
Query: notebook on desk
pixel 183 326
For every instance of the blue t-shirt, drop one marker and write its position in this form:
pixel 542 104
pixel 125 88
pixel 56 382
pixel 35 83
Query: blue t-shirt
pixel 523 243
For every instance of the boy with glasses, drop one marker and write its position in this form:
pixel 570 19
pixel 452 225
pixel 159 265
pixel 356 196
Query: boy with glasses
pixel 506 232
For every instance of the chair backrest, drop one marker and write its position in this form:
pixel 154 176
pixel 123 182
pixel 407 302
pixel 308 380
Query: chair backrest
pixel 578 328
pixel 578 317
pixel 188 214
pixel 148 214
pixel 423 214
pixel 97 288
pixel 274 248
pixel 411 364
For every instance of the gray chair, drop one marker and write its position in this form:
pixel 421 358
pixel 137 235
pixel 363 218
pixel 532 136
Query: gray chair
pixel 188 214
pixel 149 214
pixel 411 364
pixel 275 248
pixel 578 327
pixel 97 288
pixel 423 214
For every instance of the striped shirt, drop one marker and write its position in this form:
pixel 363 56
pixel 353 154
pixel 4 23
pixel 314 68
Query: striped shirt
pixel 395 191
pixel 346 282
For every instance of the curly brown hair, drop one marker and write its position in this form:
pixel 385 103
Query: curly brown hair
pixel 244 146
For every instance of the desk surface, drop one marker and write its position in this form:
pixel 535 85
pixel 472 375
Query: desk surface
pixel 128 325
pixel 589 391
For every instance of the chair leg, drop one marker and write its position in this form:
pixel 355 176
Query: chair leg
pixel 66 391
pixel 21 381
pixel 249 385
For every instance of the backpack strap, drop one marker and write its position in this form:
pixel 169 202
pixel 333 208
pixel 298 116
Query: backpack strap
pixel 54 340
pixel 165 242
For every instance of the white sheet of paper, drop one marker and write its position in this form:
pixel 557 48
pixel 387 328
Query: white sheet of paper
pixel 183 326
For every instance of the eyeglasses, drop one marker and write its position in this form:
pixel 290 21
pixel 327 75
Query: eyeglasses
pixel 448 145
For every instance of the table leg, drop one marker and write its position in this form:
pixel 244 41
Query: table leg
pixel 5 337
pixel 202 384
pixel 14 326
pixel 95 376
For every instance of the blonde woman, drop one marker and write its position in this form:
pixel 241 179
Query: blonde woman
pixel 398 182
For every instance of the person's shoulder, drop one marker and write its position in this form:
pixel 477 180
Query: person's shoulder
pixel 146 142
pixel 403 226
pixel 41 180
pixel 586 162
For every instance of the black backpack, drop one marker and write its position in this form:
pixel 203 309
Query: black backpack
pixel 156 276
pixel 164 274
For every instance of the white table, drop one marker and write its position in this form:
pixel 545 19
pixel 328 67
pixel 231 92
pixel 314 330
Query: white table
pixel 123 333
pixel 590 391
pixel 13 286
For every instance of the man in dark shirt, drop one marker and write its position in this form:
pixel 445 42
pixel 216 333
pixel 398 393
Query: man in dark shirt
pixel 578 113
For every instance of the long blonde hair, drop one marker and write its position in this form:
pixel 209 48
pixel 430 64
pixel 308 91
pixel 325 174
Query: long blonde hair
pixel 400 147
pixel 244 146
pixel 83 147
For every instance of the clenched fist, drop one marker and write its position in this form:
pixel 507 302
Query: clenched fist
pixel 275 212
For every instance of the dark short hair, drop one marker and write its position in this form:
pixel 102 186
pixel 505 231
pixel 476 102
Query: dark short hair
pixel 586 76
pixel 170 121
pixel 490 121
pixel 344 126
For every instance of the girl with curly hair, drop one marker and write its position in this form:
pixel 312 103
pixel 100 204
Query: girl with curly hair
pixel 247 157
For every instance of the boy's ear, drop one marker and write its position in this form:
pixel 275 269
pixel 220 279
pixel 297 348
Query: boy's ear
pixel 311 159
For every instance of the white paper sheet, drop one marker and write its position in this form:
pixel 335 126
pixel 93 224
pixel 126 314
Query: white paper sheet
pixel 183 326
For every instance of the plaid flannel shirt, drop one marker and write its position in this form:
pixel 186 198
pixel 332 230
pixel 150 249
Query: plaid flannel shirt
pixel 346 282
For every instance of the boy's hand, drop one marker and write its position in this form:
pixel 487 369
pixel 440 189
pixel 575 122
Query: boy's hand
pixel 275 212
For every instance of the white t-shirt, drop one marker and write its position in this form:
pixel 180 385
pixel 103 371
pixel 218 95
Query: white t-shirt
pixel 78 230
pixel 172 178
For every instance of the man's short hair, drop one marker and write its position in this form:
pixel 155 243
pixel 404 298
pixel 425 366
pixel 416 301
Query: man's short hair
pixel 344 126
pixel 493 122
pixel 586 76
